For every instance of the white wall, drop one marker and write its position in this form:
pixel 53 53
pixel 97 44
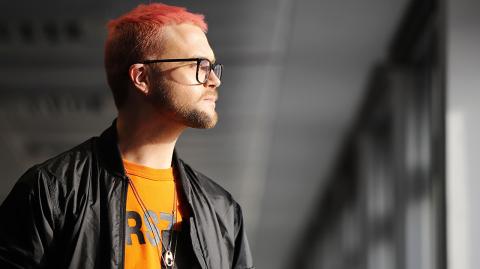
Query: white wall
pixel 463 133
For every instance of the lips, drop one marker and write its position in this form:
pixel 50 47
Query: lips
pixel 212 98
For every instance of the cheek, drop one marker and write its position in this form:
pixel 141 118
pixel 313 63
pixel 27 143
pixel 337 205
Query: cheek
pixel 185 76
pixel 187 95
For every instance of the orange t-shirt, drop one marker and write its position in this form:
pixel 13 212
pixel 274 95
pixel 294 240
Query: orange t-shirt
pixel 155 188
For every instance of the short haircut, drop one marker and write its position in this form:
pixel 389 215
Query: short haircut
pixel 133 35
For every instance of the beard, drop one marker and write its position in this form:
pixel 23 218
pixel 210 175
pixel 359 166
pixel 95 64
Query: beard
pixel 180 109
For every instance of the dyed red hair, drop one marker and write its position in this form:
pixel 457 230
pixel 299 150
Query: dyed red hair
pixel 134 35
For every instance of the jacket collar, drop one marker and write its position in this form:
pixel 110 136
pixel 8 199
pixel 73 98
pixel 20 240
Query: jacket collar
pixel 110 158
pixel 109 154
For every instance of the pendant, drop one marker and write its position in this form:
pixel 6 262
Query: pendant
pixel 168 258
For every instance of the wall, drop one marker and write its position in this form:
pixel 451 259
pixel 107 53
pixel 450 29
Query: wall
pixel 463 131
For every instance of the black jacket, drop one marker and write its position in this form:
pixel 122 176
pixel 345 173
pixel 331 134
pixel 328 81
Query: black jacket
pixel 69 212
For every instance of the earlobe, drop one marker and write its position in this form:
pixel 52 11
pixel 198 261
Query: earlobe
pixel 139 78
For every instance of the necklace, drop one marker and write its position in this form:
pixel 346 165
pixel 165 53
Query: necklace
pixel 169 257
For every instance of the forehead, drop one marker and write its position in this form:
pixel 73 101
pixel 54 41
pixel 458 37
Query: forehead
pixel 185 41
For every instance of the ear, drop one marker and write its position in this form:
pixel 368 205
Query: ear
pixel 139 77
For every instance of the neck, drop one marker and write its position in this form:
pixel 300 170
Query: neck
pixel 147 141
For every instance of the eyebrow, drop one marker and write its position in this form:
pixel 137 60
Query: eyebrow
pixel 203 57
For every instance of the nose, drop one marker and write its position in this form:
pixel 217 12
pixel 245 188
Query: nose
pixel 213 81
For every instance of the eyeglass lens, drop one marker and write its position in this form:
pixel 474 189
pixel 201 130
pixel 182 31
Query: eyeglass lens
pixel 204 69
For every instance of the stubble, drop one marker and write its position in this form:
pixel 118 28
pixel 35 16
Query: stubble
pixel 180 108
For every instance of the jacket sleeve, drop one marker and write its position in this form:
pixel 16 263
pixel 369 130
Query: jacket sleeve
pixel 242 258
pixel 27 221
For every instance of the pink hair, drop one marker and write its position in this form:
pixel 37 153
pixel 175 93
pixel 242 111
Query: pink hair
pixel 132 36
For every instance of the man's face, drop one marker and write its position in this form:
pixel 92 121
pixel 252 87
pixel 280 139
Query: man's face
pixel 174 89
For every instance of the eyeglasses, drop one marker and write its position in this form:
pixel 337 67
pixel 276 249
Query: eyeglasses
pixel 204 67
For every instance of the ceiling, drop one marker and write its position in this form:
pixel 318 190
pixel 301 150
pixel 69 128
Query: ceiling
pixel 295 73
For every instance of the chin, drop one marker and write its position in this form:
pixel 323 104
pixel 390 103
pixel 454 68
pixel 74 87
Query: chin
pixel 201 119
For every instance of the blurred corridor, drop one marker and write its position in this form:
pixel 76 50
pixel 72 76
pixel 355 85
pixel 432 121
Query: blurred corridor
pixel 333 120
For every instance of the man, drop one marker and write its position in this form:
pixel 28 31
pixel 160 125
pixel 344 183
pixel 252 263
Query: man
pixel 124 199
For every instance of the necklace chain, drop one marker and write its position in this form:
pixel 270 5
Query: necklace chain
pixel 168 263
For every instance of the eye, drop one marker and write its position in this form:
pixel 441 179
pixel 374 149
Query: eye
pixel 204 65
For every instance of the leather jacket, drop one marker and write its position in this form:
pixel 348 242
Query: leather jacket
pixel 69 212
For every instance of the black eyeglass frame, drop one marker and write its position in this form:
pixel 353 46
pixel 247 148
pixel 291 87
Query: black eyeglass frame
pixel 198 60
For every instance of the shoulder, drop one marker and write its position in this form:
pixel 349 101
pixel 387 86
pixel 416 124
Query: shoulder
pixel 69 161
pixel 60 172
pixel 218 195
pixel 44 183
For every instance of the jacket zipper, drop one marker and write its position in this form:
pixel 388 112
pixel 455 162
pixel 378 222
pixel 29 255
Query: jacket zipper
pixel 196 244
pixel 122 224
